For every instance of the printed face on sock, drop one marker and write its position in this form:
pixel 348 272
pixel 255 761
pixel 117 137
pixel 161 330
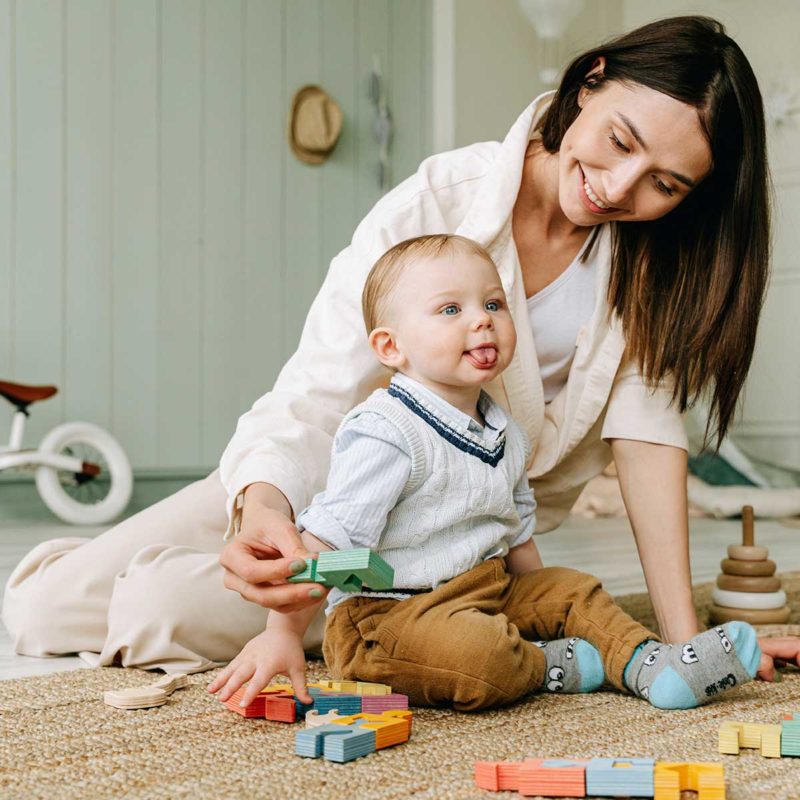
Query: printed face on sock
pixel 450 323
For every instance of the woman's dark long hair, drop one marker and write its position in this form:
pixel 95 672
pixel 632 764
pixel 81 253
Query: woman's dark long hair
pixel 689 286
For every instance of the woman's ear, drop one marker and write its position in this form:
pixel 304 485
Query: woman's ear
pixel 383 344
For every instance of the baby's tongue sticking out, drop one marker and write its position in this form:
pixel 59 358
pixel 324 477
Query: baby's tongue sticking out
pixel 484 355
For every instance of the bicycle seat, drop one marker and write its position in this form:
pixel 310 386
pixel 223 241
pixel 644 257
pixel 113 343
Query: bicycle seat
pixel 22 396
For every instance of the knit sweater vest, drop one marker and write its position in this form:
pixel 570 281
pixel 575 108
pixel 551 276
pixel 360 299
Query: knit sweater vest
pixel 457 508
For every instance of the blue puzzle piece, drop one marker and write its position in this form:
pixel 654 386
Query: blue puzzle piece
pixel 346 704
pixel 325 739
pixel 620 777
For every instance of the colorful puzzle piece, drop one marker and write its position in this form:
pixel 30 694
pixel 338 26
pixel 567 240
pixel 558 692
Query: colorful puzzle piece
pixel 351 737
pixel 603 777
pixel 616 777
pixel 278 703
pixel 348 570
pixel 773 741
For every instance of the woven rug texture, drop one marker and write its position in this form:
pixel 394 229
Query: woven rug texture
pixel 58 740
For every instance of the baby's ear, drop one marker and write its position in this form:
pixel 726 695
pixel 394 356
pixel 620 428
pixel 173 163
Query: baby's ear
pixel 383 344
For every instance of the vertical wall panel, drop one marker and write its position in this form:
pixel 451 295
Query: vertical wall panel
pixel 338 177
pixel 135 278
pixel 374 39
pixel 407 55
pixel 182 194
pixel 222 225
pixel 303 252
pixel 159 243
pixel 265 153
pixel 87 277
pixel 39 337
pixel 7 181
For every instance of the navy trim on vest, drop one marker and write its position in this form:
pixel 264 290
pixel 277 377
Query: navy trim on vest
pixel 490 457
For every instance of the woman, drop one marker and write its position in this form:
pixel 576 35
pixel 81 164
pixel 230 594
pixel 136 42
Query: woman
pixel 639 188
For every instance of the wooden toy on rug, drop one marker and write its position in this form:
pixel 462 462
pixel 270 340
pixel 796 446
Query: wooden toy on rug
pixel 602 777
pixel 748 589
pixel 150 696
pixel 278 703
pixel 773 741
pixel 348 570
pixel 351 737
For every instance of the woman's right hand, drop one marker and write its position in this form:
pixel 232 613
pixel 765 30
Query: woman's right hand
pixel 266 551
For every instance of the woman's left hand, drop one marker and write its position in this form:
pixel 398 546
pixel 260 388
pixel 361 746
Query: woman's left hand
pixel 781 648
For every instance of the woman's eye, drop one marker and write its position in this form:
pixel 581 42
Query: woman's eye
pixel 450 310
pixel 493 305
pixel 664 189
pixel 618 144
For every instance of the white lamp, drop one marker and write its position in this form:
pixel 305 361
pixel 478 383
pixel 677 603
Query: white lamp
pixel 550 18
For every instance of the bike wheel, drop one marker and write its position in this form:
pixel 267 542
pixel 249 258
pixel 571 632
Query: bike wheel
pixel 98 493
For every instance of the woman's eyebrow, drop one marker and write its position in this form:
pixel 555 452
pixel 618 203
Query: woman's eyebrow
pixel 638 136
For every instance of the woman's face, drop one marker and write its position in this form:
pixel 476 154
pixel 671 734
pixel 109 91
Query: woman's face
pixel 632 154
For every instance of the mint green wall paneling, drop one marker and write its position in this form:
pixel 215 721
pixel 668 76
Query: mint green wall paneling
pixel 87 274
pixel 182 195
pixel 303 197
pixel 39 258
pixel 406 98
pixel 339 213
pixel 7 169
pixel 262 313
pixel 135 227
pixel 373 38
pixel 222 225
pixel 426 80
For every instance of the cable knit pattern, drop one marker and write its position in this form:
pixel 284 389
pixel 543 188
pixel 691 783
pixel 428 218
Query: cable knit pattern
pixel 466 499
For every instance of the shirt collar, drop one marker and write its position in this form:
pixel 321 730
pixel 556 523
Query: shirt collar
pixel 451 416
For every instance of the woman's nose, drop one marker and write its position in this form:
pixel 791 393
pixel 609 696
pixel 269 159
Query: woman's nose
pixel 618 185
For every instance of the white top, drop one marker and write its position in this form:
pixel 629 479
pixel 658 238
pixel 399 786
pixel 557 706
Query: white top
pixel 558 312
pixel 285 439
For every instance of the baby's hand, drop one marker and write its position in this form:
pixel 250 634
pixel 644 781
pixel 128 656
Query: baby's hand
pixel 277 651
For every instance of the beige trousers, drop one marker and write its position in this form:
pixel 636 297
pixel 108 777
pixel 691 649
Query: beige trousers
pixel 147 593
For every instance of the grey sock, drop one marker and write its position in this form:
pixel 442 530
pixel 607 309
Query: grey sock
pixel 573 665
pixel 688 675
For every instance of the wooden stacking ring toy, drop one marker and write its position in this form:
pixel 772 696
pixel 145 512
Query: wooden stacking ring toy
pixel 755 569
pixel 748 589
pixel 739 583
pixel 740 553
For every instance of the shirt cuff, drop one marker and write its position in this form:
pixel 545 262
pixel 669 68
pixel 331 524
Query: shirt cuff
pixel 281 473
pixel 526 532
pixel 322 524
pixel 636 413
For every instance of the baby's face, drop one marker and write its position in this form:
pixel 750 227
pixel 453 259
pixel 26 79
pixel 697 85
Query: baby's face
pixel 451 321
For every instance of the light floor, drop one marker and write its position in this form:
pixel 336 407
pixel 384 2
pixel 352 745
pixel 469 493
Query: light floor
pixel 604 547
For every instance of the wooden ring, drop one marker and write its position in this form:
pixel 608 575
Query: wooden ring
pixel 741 583
pixel 742 553
pixel 759 569
pixel 775 616
pixel 752 601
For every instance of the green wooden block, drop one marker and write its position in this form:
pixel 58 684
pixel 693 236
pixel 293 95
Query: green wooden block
pixel 348 570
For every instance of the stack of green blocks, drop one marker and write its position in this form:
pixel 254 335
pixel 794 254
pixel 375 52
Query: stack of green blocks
pixel 347 570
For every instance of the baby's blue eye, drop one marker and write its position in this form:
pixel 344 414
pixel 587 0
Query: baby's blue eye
pixel 495 304
pixel 450 310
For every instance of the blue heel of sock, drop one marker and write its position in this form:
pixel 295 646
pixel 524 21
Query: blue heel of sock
pixel 591 666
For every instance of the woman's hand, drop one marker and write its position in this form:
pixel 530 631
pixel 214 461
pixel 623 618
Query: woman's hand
pixel 267 551
pixel 277 651
pixel 784 649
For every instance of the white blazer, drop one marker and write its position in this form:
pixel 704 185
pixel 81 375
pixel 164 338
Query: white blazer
pixel 285 439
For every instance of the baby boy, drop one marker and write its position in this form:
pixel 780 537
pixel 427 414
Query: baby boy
pixel 431 473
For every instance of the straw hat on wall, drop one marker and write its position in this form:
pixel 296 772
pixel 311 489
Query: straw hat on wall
pixel 315 123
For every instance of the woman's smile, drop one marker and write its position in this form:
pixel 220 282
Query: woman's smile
pixel 589 197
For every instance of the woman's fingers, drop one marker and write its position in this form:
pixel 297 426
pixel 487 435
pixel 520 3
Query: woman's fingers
pixel 239 559
pixel 285 597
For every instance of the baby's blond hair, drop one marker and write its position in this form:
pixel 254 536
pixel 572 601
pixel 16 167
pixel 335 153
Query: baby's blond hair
pixel 386 272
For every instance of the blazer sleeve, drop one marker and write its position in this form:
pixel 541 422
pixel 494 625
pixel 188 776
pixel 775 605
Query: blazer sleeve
pixel 285 438
pixel 642 411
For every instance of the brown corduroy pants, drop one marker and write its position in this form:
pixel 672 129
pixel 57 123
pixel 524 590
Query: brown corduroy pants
pixel 469 643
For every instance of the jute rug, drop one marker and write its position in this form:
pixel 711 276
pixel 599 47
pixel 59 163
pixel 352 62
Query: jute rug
pixel 58 740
